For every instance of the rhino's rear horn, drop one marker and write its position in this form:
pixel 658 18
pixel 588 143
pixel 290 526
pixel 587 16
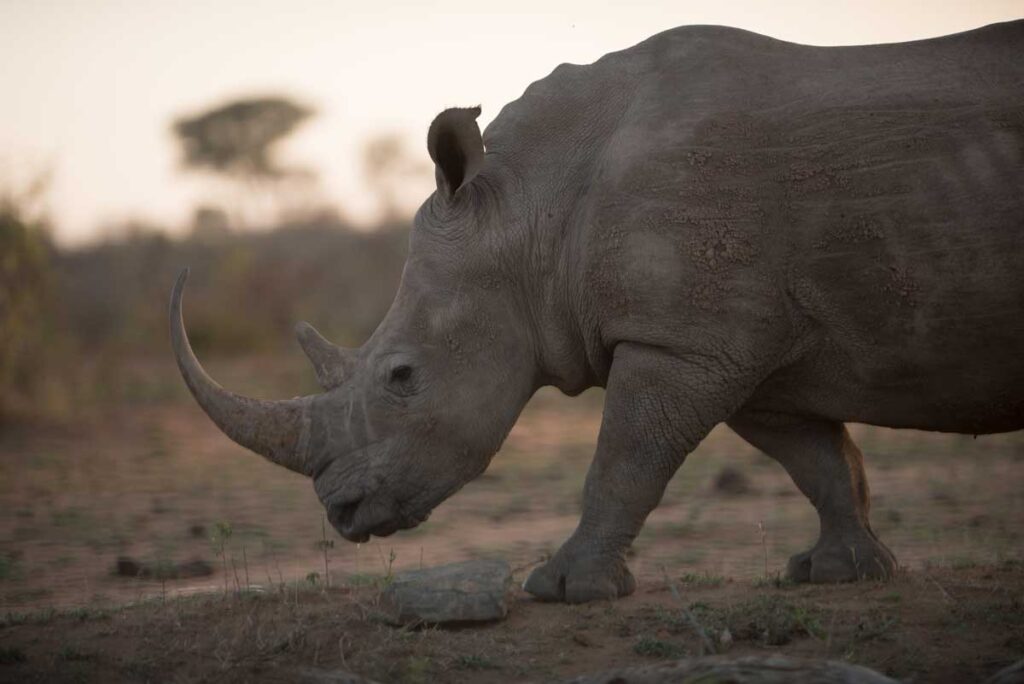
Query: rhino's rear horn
pixel 330 362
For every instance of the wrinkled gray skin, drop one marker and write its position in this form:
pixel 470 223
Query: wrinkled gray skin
pixel 716 227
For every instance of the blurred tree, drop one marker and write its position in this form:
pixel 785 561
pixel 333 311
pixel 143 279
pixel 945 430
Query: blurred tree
pixel 209 224
pixel 236 138
pixel 394 173
pixel 25 287
pixel 236 141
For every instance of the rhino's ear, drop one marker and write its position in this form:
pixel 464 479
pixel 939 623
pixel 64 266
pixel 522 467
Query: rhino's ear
pixel 455 145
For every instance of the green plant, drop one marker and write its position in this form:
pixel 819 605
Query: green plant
pixel 417 668
pixel 324 544
pixel 221 534
pixel 764 543
pixel 656 648
pixel 83 614
pixel 388 564
pixel 10 568
pixel 702 579
pixel 363 579
pixel 776 581
pixel 874 625
pixel 476 662
pixel 69 653
pixel 70 517
pixel 706 643
pixel 774 621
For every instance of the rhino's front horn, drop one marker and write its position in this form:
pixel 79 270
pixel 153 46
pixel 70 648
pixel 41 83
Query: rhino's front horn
pixel 331 362
pixel 277 430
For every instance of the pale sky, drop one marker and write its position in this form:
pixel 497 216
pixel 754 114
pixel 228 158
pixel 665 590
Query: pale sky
pixel 88 88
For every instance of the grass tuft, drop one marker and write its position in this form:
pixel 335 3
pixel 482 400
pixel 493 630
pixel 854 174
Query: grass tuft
pixel 701 579
pixel 776 581
pixel 657 648
pixel 476 662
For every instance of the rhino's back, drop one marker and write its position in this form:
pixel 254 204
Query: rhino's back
pixel 674 79
pixel 875 188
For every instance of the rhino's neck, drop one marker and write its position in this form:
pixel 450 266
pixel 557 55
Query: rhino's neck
pixel 543 236
pixel 550 143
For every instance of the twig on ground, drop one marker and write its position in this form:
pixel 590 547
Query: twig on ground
pixel 234 571
pixel 270 580
pixel 764 544
pixel 949 599
pixel 831 629
pixel 280 575
pixel 705 640
pixel 387 563
pixel 245 561
pixel 527 566
pixel 325 544
pixel 341 651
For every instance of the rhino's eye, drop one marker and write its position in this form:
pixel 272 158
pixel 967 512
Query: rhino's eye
pixel 401 374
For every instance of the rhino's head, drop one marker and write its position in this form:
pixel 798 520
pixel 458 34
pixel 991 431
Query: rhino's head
pixel 419 410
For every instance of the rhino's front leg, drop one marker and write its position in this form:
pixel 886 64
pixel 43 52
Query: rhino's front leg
pixel 657 409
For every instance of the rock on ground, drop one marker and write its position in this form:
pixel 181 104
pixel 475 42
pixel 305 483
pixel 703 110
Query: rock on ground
pixel 472 591
pixel 732 481
pixel 130 567
pixel 311 675
pixel 1013 674
pixel 748 670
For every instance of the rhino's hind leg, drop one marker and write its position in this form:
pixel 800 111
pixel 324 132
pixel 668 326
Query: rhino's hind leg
pixel 828 468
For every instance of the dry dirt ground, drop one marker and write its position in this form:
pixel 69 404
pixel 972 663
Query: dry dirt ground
pixel 145 477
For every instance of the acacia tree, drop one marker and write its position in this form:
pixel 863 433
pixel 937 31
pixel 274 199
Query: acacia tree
pixel 237 141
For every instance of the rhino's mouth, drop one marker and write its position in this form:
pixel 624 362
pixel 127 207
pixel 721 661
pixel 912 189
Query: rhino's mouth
pixel 358 519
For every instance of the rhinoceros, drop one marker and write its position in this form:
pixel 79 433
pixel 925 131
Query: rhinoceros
pixel 714 226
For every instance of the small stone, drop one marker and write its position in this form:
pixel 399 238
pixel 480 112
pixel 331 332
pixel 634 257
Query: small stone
pixel 472 591
pixel 980 520
pixel 164 570
pixel 583 639
pixel 128 567
pixel 193 568
pixel 759 669
pixel 732 482
pixel 1011 674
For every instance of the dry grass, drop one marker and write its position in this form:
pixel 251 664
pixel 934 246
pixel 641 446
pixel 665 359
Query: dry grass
pixel 904 628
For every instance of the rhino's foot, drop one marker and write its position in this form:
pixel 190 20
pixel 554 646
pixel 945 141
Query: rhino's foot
pixel 843 560
pixel 578 578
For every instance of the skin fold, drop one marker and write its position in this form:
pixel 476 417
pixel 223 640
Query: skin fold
pixel 715 226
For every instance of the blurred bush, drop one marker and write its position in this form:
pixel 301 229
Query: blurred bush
pixel 246 290
pixel 83 327
pixel 26 304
